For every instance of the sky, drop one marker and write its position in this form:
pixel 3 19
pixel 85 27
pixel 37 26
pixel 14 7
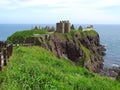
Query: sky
pixel 52 11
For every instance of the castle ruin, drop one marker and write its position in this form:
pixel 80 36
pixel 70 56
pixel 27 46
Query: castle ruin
pixel 89 28
pixel 63 27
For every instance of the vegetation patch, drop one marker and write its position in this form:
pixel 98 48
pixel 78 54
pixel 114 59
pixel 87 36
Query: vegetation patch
pixel 34 68
pixel 87 52
pixel 21 36
pixel 91 32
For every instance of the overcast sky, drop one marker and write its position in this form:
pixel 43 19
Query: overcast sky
pixel 51 11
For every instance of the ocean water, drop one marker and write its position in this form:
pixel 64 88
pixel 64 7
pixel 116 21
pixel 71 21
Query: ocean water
pixel 7 29
pixel 109 36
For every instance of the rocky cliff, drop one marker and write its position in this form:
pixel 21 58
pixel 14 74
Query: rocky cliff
pixel 83 48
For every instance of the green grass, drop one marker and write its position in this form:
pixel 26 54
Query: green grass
pixel 21 36
pixel 91 32
pixel 87 52
pixel 34 68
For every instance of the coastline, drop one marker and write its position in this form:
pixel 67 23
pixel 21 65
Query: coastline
pixel 96 27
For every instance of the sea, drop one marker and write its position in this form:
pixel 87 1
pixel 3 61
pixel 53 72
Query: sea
pixel 109 37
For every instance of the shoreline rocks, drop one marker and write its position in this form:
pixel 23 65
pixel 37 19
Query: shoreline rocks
pixel 110 72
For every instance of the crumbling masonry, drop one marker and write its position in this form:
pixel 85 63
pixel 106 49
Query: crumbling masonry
pixel 63 27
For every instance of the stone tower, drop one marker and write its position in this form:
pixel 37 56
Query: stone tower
pixel 63 27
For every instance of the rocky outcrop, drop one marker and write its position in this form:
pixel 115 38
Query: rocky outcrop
pixel 80 47
pixel 118 77
pixel 111 72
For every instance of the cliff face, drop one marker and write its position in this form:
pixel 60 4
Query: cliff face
pixel 83 48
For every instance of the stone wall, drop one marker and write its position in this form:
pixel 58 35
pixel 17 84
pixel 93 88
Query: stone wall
pixel 63 27
pixel 88 28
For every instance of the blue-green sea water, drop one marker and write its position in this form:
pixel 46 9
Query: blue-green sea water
pixel 109 36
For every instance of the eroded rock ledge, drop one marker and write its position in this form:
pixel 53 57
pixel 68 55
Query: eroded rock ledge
pixel 83 48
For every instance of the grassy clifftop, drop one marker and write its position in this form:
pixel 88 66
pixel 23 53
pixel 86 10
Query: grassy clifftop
pixel 22 36
pixel 34 68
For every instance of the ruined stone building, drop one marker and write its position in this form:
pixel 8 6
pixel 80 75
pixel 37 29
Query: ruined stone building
pixel 88 28
pixel 63 27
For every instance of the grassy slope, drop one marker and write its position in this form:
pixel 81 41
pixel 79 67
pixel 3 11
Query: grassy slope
pixel 20 36
pixel 34 68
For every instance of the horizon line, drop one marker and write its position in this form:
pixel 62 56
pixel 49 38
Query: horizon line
pixel 71 23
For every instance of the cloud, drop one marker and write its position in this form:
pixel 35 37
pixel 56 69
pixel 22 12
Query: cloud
pixel 108 3
pixel 81 4
pixel 14 4
pixel 82 10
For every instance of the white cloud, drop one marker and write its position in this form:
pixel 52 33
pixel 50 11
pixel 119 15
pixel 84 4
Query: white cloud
pixel 7 4
pixel 91 10
pixel 81 4
pixel 108 3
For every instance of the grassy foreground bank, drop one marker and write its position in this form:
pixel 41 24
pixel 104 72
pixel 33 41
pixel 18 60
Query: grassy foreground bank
pixel 34 68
